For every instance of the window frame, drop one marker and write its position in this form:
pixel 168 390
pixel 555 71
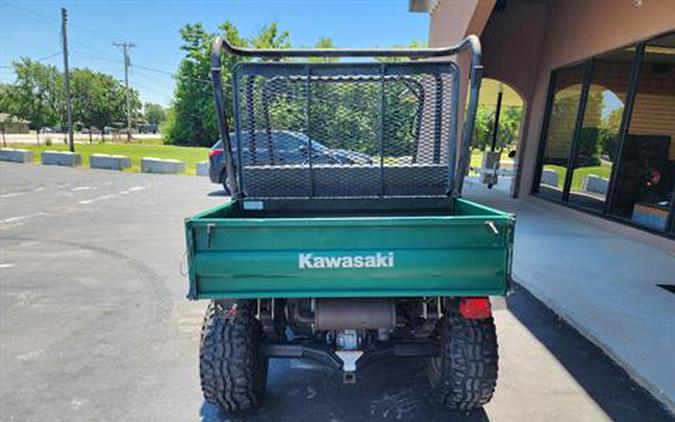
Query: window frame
pixel 623 133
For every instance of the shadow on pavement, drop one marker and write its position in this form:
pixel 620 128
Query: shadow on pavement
pixel 220 192
pixel 393 390
pixel 390 390
pixel 604 381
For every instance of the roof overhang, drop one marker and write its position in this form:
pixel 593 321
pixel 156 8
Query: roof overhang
pixel 422 6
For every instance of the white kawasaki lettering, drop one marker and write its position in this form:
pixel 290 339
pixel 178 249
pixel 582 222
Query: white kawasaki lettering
pixel 377 260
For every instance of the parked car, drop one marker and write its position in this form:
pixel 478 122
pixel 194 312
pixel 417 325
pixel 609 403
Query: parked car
pixel 289 148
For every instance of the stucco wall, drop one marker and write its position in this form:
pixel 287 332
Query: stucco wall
pixel 530 38
pixel 451 21
pixel 578 29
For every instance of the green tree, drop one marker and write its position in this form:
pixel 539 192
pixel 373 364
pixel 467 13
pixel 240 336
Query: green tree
pixel 154 113
pixel 507 133
pixel 412 44
pixel 194 119
pixel 36 95
pixel 324 42
pixel 4 97
pixel 99 100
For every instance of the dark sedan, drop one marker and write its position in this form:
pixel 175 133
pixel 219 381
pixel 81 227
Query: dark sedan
pixel 288 148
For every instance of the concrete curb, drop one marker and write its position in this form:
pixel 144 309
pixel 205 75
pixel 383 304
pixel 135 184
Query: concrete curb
pixel 61 158
pixel 158 165
pixel 14 155
pixel 109 162
pixel 564 313
pixel 203 168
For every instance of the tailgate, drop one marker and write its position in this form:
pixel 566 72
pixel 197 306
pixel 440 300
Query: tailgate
pixel 463 255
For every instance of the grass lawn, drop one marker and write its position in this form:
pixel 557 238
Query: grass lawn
pixel 191 155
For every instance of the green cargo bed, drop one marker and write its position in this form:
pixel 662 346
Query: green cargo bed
pixel 441 247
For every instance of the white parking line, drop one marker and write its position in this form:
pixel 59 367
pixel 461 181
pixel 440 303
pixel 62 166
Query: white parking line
pixel 6 266
pixel 99 198
pixel 79 188
pixel 22 217
pixel 12 194
pixel 112 195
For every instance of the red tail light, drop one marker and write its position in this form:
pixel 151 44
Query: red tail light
pixel 475 307
pixel 215 152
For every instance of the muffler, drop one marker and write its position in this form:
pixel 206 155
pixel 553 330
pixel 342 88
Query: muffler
pixel 355 314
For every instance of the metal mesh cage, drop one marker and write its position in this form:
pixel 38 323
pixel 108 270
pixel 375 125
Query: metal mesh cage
pixel 322 130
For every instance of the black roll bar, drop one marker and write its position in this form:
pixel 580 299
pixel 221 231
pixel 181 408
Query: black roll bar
pixel 471 43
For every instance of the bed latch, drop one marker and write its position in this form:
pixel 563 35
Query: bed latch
pixel 492 226
pixel 209 229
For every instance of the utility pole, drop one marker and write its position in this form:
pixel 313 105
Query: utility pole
pixel 126 46
pixel 66 79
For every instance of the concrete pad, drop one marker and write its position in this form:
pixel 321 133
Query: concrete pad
pixel 16 155
pixel 595 183
pixel 602 279
pixel 549 177
pixel 162 166
pixel 110 162
pixel 61 158
pixel 203 168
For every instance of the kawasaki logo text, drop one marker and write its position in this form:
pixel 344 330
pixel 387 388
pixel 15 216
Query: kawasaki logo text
pixel 377 260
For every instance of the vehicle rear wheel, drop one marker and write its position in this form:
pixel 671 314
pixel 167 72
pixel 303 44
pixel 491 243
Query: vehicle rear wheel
pixel 232 365
pixel 465 375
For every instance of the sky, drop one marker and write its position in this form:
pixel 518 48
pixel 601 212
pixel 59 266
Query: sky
pixel 31 28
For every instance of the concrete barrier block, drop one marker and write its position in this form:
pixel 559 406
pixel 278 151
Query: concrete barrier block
pixel 203 168
pixel 109 162
pixel 61 158
pixel 595 183
pixel 158 165
pixel 549 177
pixel 16 155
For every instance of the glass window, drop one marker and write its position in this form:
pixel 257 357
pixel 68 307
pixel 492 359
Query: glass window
pixel 560 134
pixel 288 141
pixel 596 148
pixel 646 172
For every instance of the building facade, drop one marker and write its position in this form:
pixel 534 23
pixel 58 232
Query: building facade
pixel 598 82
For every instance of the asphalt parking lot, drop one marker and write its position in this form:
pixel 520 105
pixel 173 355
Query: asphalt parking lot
pixel 94 324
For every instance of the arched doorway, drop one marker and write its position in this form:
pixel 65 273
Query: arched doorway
pixel 497 130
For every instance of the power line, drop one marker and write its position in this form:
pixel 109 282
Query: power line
pixel 35 15
pixel 173 75
pixel 42 59
pixel 96 56
pixel 80 28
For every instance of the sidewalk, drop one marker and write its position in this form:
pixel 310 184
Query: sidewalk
pixel 602 279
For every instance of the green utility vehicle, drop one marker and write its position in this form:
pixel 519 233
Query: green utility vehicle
pixel 354 256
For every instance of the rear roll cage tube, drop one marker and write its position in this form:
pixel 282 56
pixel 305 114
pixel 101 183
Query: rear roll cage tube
pixel 471 43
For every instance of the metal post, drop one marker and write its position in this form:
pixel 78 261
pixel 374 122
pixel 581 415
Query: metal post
pixel 383 70
pixel 66 79
pixel 623 129
pixel 126 46
pixel 495 129
pixel 578 126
